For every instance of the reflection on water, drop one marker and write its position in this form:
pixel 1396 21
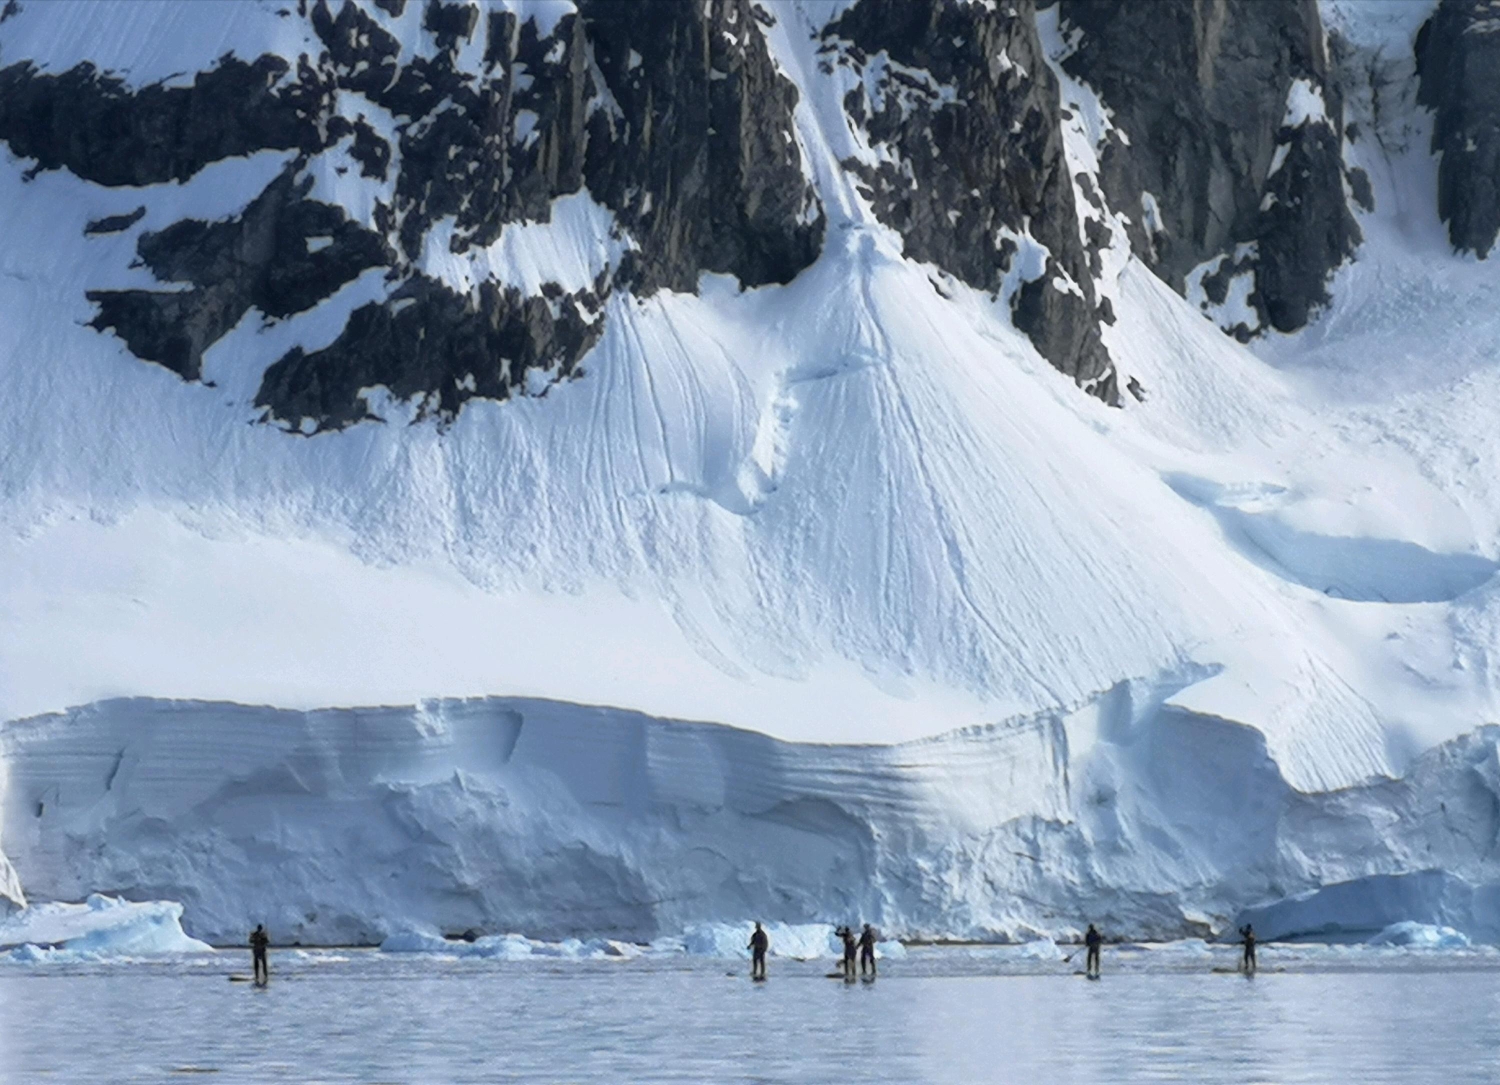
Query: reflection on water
pixel 940 1016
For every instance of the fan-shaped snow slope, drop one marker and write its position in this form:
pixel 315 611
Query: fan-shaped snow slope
pixel 849 468
pixel 855 506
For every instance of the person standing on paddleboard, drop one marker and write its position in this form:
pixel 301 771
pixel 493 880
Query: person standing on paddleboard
pixel 1247 962
pixel 847 936
pixel 260 941
pixel 759 943
pixel 867 950
pixel 1092 939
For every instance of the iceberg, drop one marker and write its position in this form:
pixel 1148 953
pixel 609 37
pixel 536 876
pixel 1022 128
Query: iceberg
pixel 100 929
pixel 1420 936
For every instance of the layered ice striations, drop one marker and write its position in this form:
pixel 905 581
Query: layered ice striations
pixel 506 814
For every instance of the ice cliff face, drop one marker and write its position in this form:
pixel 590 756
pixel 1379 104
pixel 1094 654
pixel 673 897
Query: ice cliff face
pixel 339 826
pixel 836 371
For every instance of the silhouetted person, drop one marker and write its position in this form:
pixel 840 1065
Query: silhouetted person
pixel 1093 940
pixel 259 942
pixel 867 950
pixel 1247 933
pixel 759 943
pixel 848 937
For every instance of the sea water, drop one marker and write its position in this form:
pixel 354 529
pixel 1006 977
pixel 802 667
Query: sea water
pixel 939 1015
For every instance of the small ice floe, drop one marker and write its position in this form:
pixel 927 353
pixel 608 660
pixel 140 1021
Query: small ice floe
pixel 100 929
pixel 1413 935
pixel 504 947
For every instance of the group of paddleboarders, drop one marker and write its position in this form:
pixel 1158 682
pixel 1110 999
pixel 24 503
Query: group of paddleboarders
pixel 865 944
pixel 861 947
pixel 1092 941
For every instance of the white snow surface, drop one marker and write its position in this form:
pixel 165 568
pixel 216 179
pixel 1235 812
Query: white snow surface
pixel 846 510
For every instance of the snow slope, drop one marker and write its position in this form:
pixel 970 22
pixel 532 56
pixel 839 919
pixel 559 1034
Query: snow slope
pixel 855 509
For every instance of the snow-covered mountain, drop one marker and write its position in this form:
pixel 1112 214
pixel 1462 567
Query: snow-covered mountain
pixel 1051 449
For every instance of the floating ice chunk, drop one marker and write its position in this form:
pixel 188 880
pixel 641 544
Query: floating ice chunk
pixel 1188 949
pixel 502 947
pixel 99 929
pixel 1416 935
pixel 1039 949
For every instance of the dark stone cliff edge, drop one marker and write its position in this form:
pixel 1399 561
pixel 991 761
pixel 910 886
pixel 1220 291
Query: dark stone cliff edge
pixel 672 114
pixel 1201 90
pixel 1225 158
pixel 1458 61
pixel 968 114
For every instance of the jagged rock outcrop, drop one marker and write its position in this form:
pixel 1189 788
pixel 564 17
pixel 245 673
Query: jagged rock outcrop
pixel 1226 146
pixel 965 111
pixel 260 259
pixel 1458 61
pixel 673 116
pixel 1222 162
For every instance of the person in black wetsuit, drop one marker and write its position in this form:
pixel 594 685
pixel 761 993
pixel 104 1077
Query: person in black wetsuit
pixel 847 936
pixel 260 941
pixel 1247 962
pixel 1092 939
pixel 867 950
pixel 759 943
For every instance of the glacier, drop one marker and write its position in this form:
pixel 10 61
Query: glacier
pixel 806 601
pixel 352 826
pixel 100 929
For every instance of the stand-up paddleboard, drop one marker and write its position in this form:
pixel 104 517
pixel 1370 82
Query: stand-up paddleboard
pixel 758 979
pixel 836 976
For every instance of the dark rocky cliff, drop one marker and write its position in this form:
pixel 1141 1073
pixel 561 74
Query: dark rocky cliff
pixel 672 114
pixel 1458 61
pixel 1225 161
pixel 1203 158
pixel 968 115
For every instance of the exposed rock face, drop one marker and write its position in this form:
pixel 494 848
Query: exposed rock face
pixel 92 125
pixel 672 115
pixel 1223 166
pixel 966 112
pixel 1227 143
pixel 260 259
pixel 700 164
pixel 1458 60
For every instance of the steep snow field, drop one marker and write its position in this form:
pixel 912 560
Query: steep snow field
pixel 855 509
